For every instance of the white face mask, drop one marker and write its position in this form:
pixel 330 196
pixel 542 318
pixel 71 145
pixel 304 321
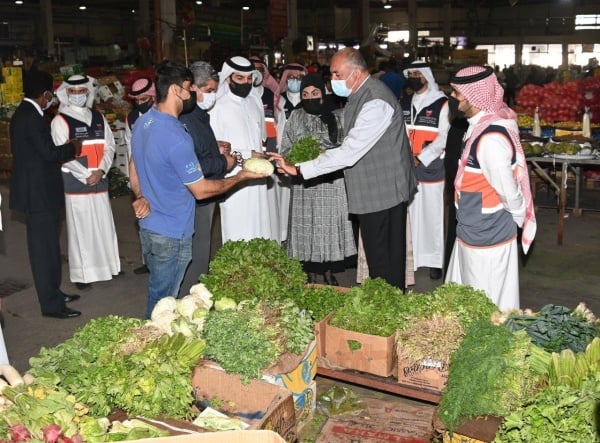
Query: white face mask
pixel 49 103
pixel 293 85
pixel 78 99
pixel 208 100
pixel 339 87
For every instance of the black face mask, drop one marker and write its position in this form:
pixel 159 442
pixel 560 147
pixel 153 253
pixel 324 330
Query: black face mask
pixel 241 90
pixel 415 83
pixel 453 104
pixel 312 105
pixel 189 103
pixel 144 107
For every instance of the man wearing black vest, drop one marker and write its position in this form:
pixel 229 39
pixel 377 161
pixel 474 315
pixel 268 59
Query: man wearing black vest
pixel 377 162
pixel 36 189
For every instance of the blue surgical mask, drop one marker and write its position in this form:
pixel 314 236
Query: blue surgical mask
pixel 208 100
pixel 339 87
pixel 293 85
pixel 78 99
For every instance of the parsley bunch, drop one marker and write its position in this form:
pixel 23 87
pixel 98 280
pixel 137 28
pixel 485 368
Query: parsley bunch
pixel 304 149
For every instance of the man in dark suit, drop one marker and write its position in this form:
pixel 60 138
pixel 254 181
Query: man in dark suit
pixel 36 189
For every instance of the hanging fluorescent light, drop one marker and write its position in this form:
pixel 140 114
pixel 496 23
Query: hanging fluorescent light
pixel 82 8
pixel 387 5
pixel 246 8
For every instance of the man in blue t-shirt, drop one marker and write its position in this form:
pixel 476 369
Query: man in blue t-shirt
pixel 166 179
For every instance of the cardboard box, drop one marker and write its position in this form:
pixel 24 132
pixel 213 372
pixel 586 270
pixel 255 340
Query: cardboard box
pixel 260 404
pixel 476 430
pixel 362 352
pixel 320 326
pixel 220 437
pixel 299 378
pixel 427 374
pixel 383 420
pixel 305 403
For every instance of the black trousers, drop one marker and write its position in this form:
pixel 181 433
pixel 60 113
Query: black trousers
pixel 384 240
pixel 43 243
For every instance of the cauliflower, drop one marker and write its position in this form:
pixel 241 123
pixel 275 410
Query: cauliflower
pixel 163 320
pixel 166 304
pixel 180 325
pixel 198 323
pixel 186 306
pixel 201 295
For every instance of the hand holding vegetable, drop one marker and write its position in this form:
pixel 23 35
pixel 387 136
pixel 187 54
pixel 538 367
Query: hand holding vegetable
pixel 282 166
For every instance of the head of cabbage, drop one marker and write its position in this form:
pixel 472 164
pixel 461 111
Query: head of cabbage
pixel 259 166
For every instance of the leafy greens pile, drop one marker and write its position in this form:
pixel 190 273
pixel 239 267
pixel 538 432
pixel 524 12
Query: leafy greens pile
pixel 258 268
pixel 320 300
pixel 153 381
pixel 492 373
pixel 248 340
pixel 378 308
pixel 555 328
pixel 372 308
pixel 566 410
pixel 304 149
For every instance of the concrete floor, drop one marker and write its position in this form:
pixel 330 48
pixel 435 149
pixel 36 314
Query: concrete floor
pixel 566 275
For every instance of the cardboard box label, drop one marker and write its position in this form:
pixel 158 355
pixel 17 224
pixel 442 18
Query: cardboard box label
pixel 427 374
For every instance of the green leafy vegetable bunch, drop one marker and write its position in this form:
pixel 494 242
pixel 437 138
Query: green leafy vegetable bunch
pixel 320 300
pixel 243 270
pixel 371 308
pixel 555 328
pixel 556 414
pixel 153 380
pixel 249 340
pixel 489 374
pixel 304 149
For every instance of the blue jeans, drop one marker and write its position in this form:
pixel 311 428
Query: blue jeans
pixel 166 258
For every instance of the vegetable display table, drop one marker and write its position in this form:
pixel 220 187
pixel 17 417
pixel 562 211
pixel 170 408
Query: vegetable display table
pixel 560 185
pixel 384 384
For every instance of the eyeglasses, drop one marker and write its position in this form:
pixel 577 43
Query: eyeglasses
pixel 295 77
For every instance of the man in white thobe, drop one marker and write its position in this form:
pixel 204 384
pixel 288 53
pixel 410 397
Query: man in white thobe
pixel 239 119
pixel 91 234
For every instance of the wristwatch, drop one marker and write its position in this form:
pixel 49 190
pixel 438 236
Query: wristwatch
pixel 298 171
pixel 238 157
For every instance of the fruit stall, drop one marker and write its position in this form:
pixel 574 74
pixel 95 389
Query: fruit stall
pixel 240 353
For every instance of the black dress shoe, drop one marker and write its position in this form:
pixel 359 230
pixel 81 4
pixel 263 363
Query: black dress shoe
pixel 435 273
pixel 65 313
pixel 83 286
pixel 141 270
pixel 330 279
pixel 119 274
pixel 71 297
